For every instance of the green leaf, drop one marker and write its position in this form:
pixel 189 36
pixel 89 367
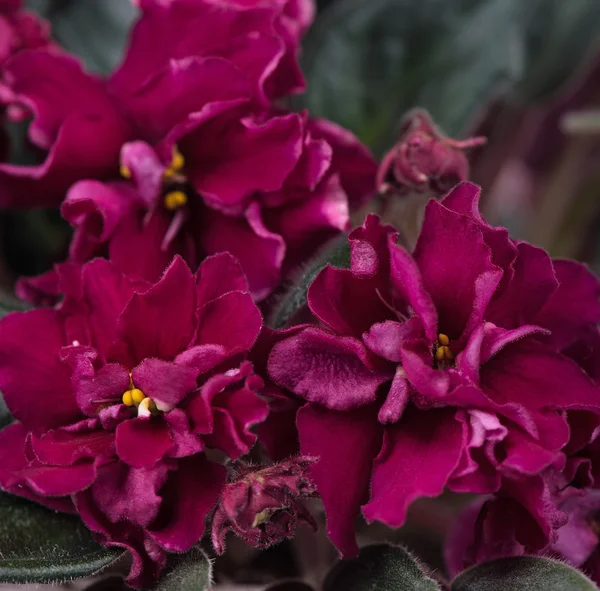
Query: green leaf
pixel 42 546
pixel 522 572
pixel 95 31
pixel 379 568
pixel 193 573
pixel 336 254
pixel 367 63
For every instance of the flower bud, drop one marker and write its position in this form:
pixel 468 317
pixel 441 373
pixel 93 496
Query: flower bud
pixel 424 159
pixel 261 504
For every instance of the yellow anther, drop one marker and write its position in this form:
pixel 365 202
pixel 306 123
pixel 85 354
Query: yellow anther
pixel 175 199
pixel 137 395
pixel 127 398
pixel 440 354
pixel 443 339
pixel 125 172
pixel 177 160
pixel 447 352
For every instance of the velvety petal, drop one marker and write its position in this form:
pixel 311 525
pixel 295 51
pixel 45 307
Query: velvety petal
pixel 351 160
pixel 148 558
pixel 495 338
pixel 94 388
pixel 184 86
pixel 386 338
pixel 259 251
pixel 136 247
pixel 524 455
pixel 418 456
pixel 190 493
pixel 532 285
pixel 417 364
pixel 323 368
pixel 536 376
pixel 311 220
pixel 235 412
pixel 451 254
pixel 409 284
pixel 217 275
pixel 146 170
pixel 125 493
pixel 192 28
pixel 574 305
pixel 33 381
pixel 258 156
pixel 186 443
pixel 73 118
pixel 105 292
pixel 396 400
pixel 202 358
pixel 329 302
pixel 13 442
pixel 346 458
pixel 95 209
pixel 160 322
pixel 143 441
pixel 165 382
pixel 64 447
pixel 232 321
pixel 370 249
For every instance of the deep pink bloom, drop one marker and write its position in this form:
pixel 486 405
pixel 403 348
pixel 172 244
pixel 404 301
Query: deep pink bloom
pixel 424 159
pixel 262 504
pixel 117 393
pixel 21 29
pixel 440 368
pixel 266 188
pixel 184 57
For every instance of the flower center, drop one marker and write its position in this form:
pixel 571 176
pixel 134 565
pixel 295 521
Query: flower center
pixel 443 353
pixel 135 397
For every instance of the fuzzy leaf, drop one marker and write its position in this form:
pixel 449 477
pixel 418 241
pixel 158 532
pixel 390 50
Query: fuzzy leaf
pixel 522 572
pixel 41 546
pixel 193 573
pixel 336 254
pixel 379 568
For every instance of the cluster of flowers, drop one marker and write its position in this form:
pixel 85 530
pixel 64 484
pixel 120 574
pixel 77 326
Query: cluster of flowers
pixel 470 364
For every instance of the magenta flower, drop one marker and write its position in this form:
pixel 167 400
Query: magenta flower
pixel 210 56
pixel 424 159
pixel 266 188
pixel 440 368
pixel 21 29
pixel 118 392
pixel 262 505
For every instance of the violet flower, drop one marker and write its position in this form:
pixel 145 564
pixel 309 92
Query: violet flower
pixel 119 391
pixel 262 505
pixel 440 368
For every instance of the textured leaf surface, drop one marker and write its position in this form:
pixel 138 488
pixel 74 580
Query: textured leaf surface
pixel 41 546
pixel 522 572
pixel 193 573
pixel 379 568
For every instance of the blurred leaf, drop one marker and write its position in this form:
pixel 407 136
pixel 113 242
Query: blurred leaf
pixel 96 31
pixel 336 253
pixel 522 572
pixel 367 63
pixel 42 546
pixel 193 573
pixel 379 568
pixel 5 416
